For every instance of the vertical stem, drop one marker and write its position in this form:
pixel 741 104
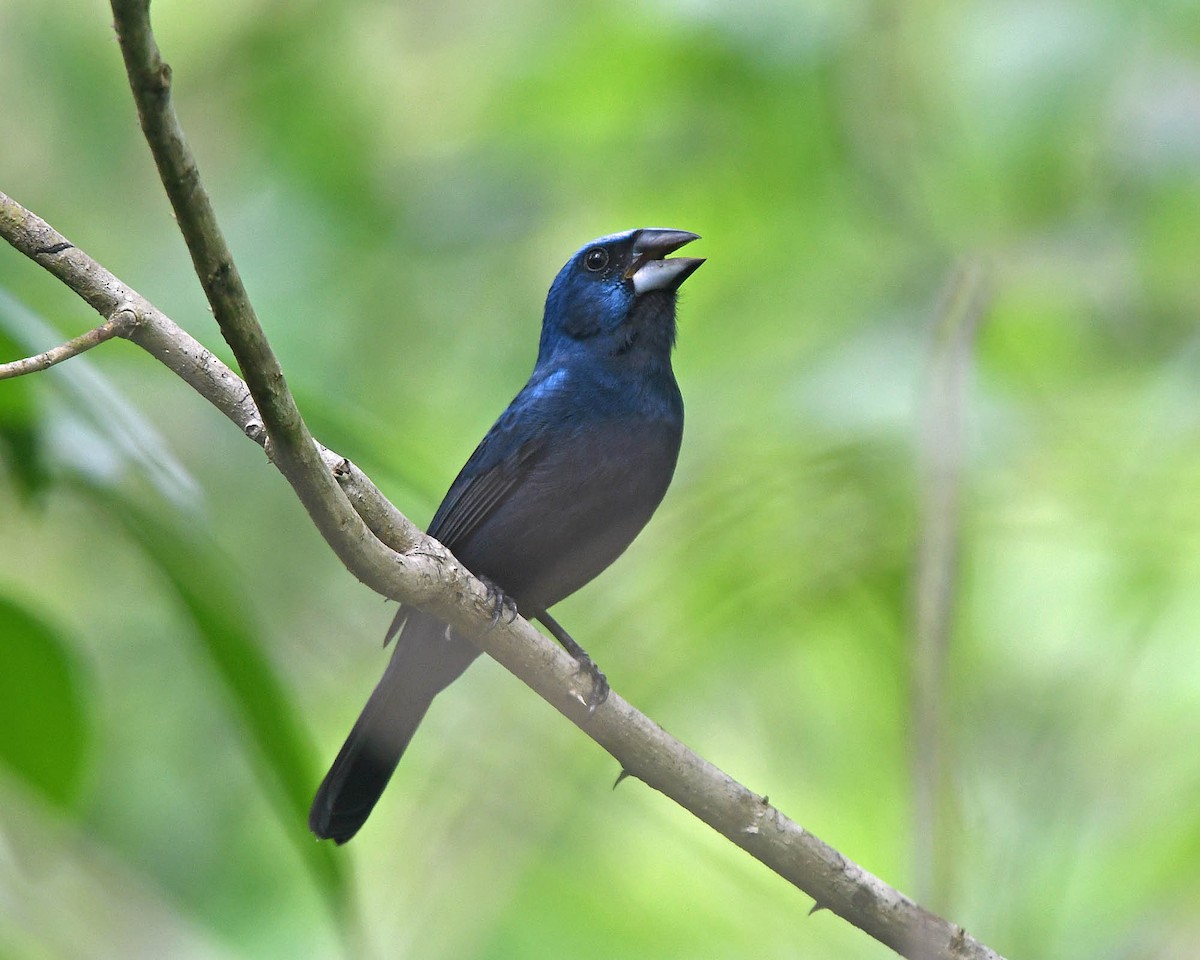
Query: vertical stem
pixel 963 303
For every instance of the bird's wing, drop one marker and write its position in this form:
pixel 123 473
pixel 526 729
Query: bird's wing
pixel 506 456
pixel 495 470
pixel 484 483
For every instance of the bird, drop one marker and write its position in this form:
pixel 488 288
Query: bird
pixel 560 485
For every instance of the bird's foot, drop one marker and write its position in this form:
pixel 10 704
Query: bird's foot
pixel 502 603
pixel 586 666
pixel 599 691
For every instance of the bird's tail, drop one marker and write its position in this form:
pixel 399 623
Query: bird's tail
pixel 426 659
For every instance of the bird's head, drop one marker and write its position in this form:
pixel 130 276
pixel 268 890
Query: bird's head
pixel 618 293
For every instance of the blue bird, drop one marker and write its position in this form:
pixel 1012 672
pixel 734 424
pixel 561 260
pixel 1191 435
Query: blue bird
pixel 555 492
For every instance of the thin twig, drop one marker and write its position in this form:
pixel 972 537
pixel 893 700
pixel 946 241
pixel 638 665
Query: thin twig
pixel 180 352
pixel 72 348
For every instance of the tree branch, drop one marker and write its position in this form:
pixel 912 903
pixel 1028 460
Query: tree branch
pixel 140 322
pixel 292 447
pixel 388 553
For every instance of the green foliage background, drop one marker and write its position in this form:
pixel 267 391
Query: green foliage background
pixel 180 655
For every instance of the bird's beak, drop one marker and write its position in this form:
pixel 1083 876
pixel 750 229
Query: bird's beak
pixel 648 268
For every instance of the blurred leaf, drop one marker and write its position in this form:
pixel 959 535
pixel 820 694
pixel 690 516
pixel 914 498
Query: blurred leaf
pixel 100 436
pixel 199 576
pixel 20 439
pixel 91 397
pixel 44 731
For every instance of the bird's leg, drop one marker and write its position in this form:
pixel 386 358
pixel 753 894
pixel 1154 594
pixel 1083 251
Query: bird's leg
pixel 599 692
pixel 501 602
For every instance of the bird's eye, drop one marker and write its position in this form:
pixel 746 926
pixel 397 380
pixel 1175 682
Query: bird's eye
pixel 596 259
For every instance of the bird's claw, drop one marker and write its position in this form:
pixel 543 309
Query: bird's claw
pixel 501 602
pixel 583 664
pixel 599 692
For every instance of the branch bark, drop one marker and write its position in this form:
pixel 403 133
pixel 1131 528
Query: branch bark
pixel 380 546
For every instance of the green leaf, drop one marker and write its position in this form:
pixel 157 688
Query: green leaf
pixel 44 732
pixel 198 574
pixel 20 434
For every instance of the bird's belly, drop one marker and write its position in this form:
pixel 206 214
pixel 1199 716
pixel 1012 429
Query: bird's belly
pixel 575 513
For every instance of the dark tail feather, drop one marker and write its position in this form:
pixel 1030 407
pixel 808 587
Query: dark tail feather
pixel 424 662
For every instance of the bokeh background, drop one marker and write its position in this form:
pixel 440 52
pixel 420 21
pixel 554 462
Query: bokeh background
pixel 180 655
